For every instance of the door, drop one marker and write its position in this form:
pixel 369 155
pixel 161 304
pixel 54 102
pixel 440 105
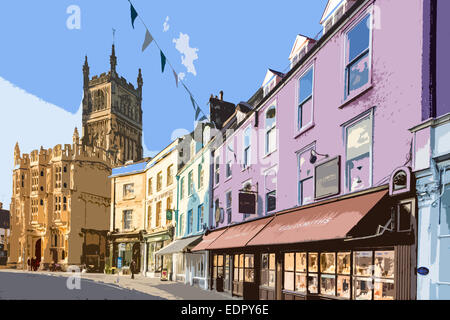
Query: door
pixel 137 255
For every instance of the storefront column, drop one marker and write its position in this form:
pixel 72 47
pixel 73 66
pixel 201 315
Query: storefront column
pixel 279 277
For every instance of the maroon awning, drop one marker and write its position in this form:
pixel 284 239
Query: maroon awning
pixel 208 240
pixel 238 236
pixel 332 220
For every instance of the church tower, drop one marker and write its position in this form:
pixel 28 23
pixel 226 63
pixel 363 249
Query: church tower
pixel 112 113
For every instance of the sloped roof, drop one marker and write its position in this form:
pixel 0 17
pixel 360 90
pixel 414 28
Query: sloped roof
pixel 270 74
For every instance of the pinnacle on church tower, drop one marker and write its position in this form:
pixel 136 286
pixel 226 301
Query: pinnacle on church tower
pixel 113 60
pixel 140 83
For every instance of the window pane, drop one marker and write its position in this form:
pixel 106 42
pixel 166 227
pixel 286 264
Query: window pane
pixel 327 262
pixel 300 282
pixel 313 262
pixel 306 168
pixel 359 172
pixel 384 264
pixel 249 275
pixel 313 283
pixel 264 277
pixel 220 260
pixel 358 73
pixel 362 288
pixel 272 261
pixel 241 261
pixel 306 83
pixel 305 113
pixel 358 38
pixel 272 279
pixel 384 289
pixel 265 261
pixel 289 261
pixel 236 274
pixel 236 260
pixel 343 263
pixel 241 274
pixel 327 285
pixel 359 138
pixel 289 281
pixel 343 287
pixel 249 261
pixel 405 217
pixel 271 116
pixel 271 200
pixel 300 262
pixel 362 262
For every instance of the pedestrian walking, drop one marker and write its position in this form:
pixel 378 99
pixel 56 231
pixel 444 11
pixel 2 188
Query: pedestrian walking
pixel 132 268
pixel 29 264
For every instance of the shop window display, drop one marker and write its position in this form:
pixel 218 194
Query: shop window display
pixel 313 262
pixel 249 268
pixel 220 266
pixel 289 259
pixel 384 286
pixel 362 263
pixel 327 262
pixel 236 268
pixel 268 270
pixel 343 263
pixel 313 283
pixel 328 284
pixel 362 288
pixel 343 287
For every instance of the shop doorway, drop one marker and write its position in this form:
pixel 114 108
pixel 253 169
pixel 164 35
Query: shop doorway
pixel 137 255
pixel 37 250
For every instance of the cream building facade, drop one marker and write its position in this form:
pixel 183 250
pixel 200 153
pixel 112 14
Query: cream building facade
pixel 161 195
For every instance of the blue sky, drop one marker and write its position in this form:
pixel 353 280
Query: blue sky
pixel 236 41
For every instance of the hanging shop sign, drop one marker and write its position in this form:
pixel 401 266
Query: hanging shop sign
pixel 247 203
pixel 327 178
pixel 169 215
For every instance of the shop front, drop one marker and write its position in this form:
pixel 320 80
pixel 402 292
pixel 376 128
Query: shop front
pixel 356 247
pixel 188 267
pixel 128 248
pixel 156 264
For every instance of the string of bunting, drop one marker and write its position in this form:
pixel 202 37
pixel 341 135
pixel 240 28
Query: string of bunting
pixel 150 39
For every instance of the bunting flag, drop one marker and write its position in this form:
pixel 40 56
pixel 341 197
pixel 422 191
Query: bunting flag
pixel 197 113
pixel 134 14
pixel 147 41
pixel 163 61
pixel 193 102
pixel 176 77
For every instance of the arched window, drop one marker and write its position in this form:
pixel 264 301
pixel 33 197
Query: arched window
pixel 271 121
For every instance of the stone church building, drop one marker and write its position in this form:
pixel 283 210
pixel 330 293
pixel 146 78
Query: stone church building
pixel 61 198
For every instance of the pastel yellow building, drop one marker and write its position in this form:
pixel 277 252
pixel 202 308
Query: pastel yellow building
pixel 127 214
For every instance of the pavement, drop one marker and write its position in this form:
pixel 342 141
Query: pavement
pixel 139 288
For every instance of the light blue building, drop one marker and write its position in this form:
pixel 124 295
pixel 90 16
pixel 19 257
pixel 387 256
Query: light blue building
pixel 432 170
pixel 193 210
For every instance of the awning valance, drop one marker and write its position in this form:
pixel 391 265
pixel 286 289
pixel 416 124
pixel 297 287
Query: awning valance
pixel 332 220
pixel 179 245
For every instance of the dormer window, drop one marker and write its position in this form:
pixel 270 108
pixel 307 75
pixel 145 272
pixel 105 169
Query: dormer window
pixel 268 87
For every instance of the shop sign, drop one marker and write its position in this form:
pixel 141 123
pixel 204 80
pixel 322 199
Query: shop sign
pixel 169 215
pixel 119 262
pixel 121 246
pixel 327 178
pixel 247 203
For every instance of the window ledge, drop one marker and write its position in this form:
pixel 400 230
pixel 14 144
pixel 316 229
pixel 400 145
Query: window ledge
pixel 229 178
pixel 269 154
pixel 356 95
pixel 304 129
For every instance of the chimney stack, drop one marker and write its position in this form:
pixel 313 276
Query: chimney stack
pixel 221 95
pixel 1 205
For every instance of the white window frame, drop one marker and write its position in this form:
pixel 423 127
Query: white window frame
pixel 266 131
pixel 310 124
pixel 367 114
pixel 247 163
pixel 130 220
pixel 346 63
pixel 267 190
pixel 229 192
pixel 229 162
pixel 309 147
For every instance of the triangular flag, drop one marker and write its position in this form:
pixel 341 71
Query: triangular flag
pixel 147 41
pixel 176 77
pixel 197 113
pixel 193 103
pixel 163 61
pixel 134 14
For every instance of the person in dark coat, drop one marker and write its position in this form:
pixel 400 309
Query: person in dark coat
pixel 132 268
pixel 33 263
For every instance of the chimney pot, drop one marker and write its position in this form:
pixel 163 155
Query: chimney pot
pixel 221 95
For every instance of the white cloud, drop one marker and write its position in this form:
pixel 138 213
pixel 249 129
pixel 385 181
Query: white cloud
pixel 181 76
pixel 33 123
pixel 166 24
pixel 177 133
pixel 189 55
